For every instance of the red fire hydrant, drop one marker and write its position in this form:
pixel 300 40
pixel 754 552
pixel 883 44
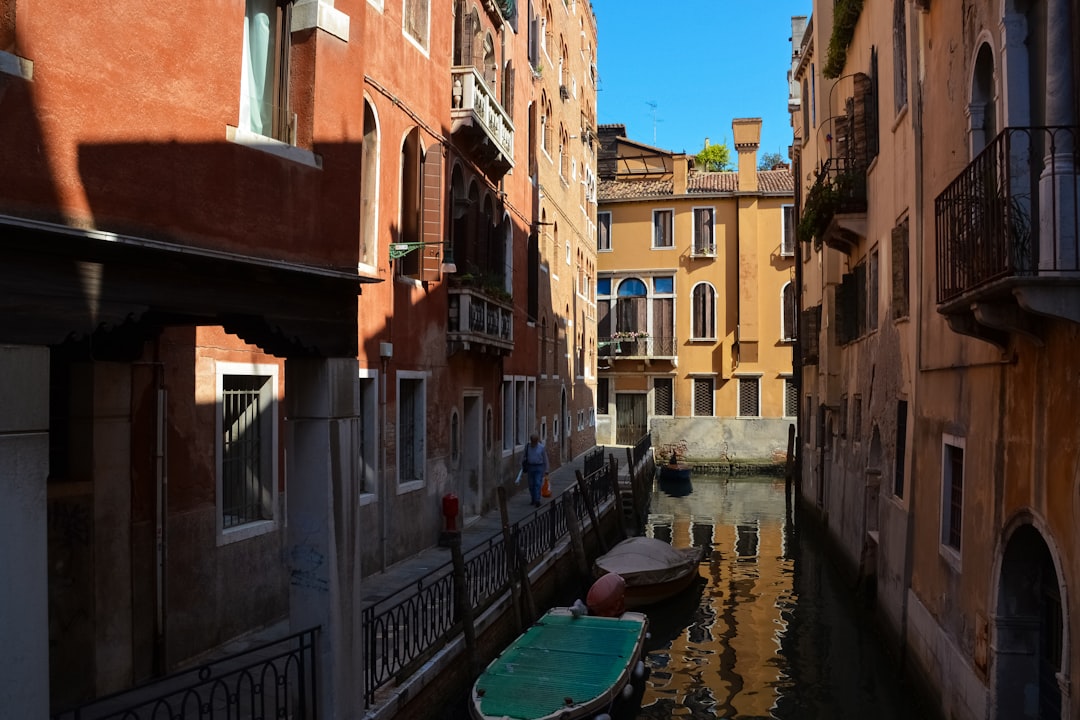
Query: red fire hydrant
pixel 450 511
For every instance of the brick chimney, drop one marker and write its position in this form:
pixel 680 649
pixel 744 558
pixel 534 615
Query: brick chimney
pixel 680 169
pixel 747 134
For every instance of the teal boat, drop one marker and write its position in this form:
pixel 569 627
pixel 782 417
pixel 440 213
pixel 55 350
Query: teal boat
pixel 565 667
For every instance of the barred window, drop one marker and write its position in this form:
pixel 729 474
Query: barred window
pixel 662 397
pixel 952 487
pixel 791 397
pixel 246 465
pixel 703 397
pixel 749 397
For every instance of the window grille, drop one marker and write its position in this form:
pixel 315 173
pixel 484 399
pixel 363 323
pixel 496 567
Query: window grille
pixel 749 397
pixel 245 477
pixel 703 397
pixel 954 499
pixel 409 418
pixel 662 400
pixel 791 398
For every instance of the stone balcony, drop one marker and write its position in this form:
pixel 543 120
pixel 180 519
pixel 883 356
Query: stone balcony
pixel 481 122
pixel 479 322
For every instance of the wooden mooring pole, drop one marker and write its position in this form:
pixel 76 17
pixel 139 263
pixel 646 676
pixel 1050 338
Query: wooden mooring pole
pixel 521 592
pixel 464 604
pixel 789 471
pixel 576 540
pixel 584 489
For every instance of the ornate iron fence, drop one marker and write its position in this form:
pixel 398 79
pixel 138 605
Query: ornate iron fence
pixel 1011 212
pixel 408 627
pixel 275 680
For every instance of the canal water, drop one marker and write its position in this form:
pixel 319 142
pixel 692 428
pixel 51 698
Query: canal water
pixel 769 630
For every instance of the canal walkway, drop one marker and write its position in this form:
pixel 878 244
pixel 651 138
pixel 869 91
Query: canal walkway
pixel 382 585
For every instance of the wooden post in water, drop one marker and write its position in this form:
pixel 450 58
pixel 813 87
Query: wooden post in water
pixel 464 605
pixel 635 491
pixel 508 547
pixel 789 471
pixel 592 511
pixel 613 476
pixel 578 543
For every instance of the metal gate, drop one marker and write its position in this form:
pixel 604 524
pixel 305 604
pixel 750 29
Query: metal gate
pixel 631 417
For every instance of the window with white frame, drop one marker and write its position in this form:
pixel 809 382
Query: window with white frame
pixel 952 492
pixel 411 427
pixel 789 323
pixel 703 312
pixel 415 20
pixel 264 93
pixel 787 243
pixel 791 397
pixel 703 396
pixel 704 231
pixel 603 231
pixel 663 396
pixel 521 431
pixel 369 187
pixel 508 414
pixel 246 449
pixel 749 397
pixel 367 440
pixel 663 235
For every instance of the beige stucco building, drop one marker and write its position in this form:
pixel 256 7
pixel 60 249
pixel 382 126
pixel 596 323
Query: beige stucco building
pixel 936 160
pixel 693 272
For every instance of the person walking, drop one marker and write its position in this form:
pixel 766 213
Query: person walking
pixel 535 464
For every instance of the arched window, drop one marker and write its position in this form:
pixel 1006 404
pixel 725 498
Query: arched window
pixel 369 187
pixel 703 312
pixel 788 320
pixel 631 307
pixel 982 115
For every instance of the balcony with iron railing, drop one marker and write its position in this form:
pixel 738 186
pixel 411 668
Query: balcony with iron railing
pixel 635 347
pixel 834 212
pixel 479 321
pixel 478 117
pixel 1007 234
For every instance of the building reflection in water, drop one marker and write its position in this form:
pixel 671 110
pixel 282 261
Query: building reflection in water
pixel 766 632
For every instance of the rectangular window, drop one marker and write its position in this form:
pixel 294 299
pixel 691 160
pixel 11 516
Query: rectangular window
pixel 508 414
pixel 603 231
pixel 787 244
pixel 872 291
pixel 901 447
pixel 663 233
pixel 602 397
pixel 900 270
pixel 411 430
pixel 952 492
pixel 703 397
pixel 247 448
pixel 264 93
pixel 663 403
pixel 843 416
pixel 856 417
pixel 704 231
pixel 366 439
pixel 415 21
pixel 749 397
pixel 791 398
pixel 520 429
pixel 899 55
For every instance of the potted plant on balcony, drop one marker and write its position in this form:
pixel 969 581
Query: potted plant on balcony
pixel 621 336
pixel 817 212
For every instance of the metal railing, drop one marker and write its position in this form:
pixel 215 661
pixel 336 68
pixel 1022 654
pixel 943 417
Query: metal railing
pixel 405 629
pixel 1013 211
pixel 637 347
pixel 276 680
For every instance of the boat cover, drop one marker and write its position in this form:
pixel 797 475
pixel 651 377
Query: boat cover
pixel 647 561
pixel 560 664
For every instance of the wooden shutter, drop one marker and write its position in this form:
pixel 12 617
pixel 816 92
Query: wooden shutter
pixel 431 217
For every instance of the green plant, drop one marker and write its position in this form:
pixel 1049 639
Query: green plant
pixel 714 158
pixel 845 16
pixel 821 204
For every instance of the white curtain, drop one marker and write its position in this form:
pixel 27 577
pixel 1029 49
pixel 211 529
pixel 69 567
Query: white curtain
pixel 256 92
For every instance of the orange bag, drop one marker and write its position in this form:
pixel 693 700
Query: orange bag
pixel 545 489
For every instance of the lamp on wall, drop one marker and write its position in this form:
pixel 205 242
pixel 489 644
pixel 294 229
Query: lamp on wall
pixel 401 249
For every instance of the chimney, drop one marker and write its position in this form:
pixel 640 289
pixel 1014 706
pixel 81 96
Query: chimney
pixel 747 133
pixel 680 169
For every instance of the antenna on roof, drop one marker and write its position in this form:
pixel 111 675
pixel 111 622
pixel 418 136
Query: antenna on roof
pixel 652 104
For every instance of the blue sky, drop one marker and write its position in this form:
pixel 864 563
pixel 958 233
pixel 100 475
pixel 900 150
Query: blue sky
pixel 702 62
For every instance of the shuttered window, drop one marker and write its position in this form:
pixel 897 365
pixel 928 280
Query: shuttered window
pixel 791 398
pixel 749 397
pixel 663 403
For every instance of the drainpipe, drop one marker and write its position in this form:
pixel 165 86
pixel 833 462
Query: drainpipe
pixel 917 226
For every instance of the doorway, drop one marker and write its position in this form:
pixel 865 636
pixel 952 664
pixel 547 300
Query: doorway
pixel 472 438
pixel 631 418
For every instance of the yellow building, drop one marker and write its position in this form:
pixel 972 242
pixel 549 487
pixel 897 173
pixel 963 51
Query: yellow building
pixel 695 301
pixel 936 160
